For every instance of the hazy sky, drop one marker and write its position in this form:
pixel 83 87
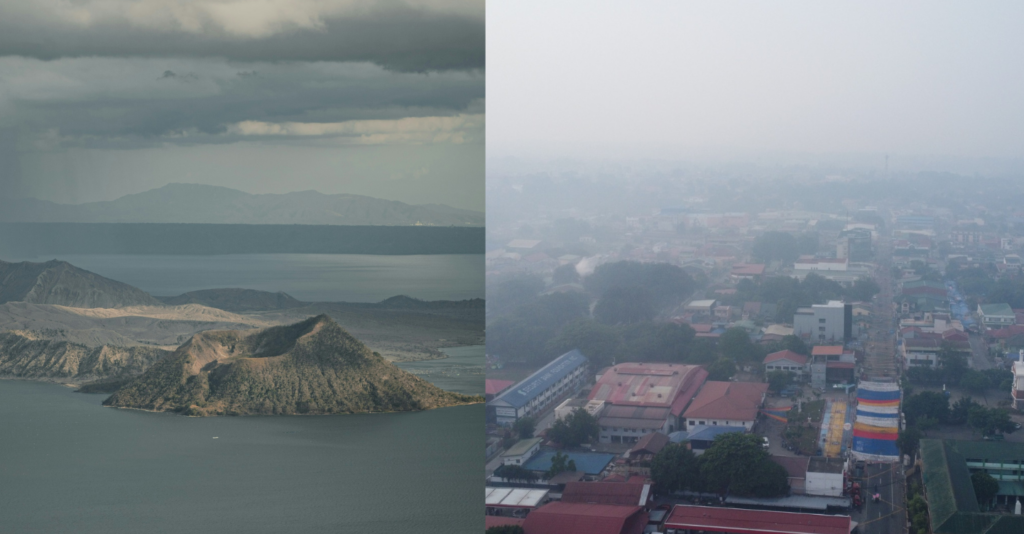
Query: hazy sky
pixel 101 98
pixel 668 79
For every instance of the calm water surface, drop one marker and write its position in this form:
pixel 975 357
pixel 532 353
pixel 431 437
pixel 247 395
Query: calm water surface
pixel 69 465
pixel 307 277
pixel 461 371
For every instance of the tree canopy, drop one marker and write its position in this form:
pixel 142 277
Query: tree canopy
pixel 666 284
pixel 675 468
pixel 781 246
pixel 737 463
pixel 985 487
pixel 625 305
pixel 574 429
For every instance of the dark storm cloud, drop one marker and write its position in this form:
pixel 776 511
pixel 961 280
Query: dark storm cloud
pixel 138 102
pixel 394 35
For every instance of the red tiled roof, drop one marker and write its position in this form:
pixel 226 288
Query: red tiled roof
pixel 645 384
pixel 736 401
pixel 748 269
pixel 650 443
pixel 578 518
pixel 493 387
pixel 497 521
pixel 684 397
pixel 786 355
pixel 738 520
pixel 616 493
pixel 827 350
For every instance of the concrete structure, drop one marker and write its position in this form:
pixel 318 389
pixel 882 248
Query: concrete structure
pixel 953 507
pixel 521 452
pixel 824 476
pixel 641 398
pixel 786 360
pixel 687 518
pixel 1018 382
pixel 726 404
pixel 825 323
pixel 924 351
pixel 831 364
pixel 996 315
pixel 593 408
pixel 555 381
pixel 702 306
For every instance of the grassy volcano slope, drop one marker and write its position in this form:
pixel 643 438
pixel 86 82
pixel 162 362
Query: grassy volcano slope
pixel 310 367
pixel 23 355
pixel 59 282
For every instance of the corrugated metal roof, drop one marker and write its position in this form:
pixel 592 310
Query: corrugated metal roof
pixel 716 519
pixel 619 493
pixel 522 393
pixel 514 497
pixel 577 518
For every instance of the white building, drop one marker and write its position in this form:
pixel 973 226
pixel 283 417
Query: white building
pixel 521 452
pixel 1018 382
pixel 825 323
pixel 824 477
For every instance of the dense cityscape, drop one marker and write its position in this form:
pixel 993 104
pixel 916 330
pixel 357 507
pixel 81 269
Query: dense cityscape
pixel 694 350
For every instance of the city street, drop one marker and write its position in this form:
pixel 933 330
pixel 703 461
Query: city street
pixel 888 516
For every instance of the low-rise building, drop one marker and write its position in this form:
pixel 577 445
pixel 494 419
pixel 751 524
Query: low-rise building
pixel 583 518
pixel 521 452
pixel 997 315
pixel 616 493
pixel 640 398
pixel 562 377
pixel 786 360
pixel 953 507
pixel 825 323
pixel 726 404
pixel 715 519
pixel 825 476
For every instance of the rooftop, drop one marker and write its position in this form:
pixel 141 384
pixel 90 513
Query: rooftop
pixel 619 493
pixel 1002 309
pixel 716 519
pixel 522 447
pixel 522 393
pixel 786 355
pixel 707 303
pixel 822 464
pixel 646 384
pixel 493 387
pixel 579 518
pixel 514 497
pixel 650 444
pixel 735 401
pixel 827 350
pixel 591 463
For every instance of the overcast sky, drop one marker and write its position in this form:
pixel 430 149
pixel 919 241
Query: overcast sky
pixel 668 79
pixel 101 98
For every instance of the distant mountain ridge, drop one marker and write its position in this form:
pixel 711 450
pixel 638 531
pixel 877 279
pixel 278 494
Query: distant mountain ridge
pixel 310 367
pixel 196 203
pixel 59 282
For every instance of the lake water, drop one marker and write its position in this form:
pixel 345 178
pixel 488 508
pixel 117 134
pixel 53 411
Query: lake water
pixel 67 464
pixel 461 371
pixel 307 277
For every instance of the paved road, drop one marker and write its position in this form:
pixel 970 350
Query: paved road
pixel 979 353
pixel 887 516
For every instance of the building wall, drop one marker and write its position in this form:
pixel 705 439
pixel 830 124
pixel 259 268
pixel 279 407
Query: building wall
pixel 521 459
pixel 823 324
pixel 694 422
pixel 786 365
pixel 569 384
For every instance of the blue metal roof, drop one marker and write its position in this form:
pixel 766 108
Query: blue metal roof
pixel 877 447
pixel 709 433
pixel 868 394
pixel 522 393
pixel 591 463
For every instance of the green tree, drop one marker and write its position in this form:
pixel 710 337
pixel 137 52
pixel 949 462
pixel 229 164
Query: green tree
pixel 675 468
pixel 721 370
pixel 777 380
pixel 960 410
pixel 735 343
pixel 863 289
pixel 985 488
pixel 624 305
pixel 565 274
pixel 667 285
pixel 909 440
pixel 574 429
pixel 738 463
pixel 975 381
pixel 954 363
pixel 795 344
pixel 516 473
pixel 560 463
pixel 702 351
pixel 771 246
pixel 926 404
pixel 524 427
pixel 602 344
